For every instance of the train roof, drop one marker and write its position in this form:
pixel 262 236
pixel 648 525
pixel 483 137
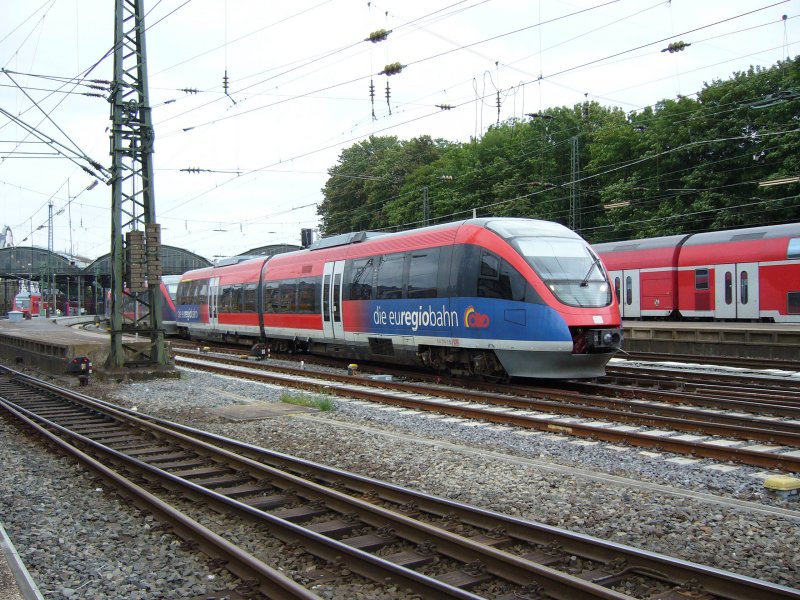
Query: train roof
pixel 765 232
pixel 696 239
pixel 667 241
pixel 504 226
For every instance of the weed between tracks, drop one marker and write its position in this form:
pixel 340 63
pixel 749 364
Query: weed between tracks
pixel 323 404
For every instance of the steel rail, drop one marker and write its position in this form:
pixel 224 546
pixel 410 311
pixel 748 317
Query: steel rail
pixel 363 391
pixel 715 581
pixel 712 580
pixel 271 582
pixel 724 361
pixel 501 564
pixel 579 404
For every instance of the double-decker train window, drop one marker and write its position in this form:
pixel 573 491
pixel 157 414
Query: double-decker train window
pixel 390 277
pixel 793 251
pixel 423 273
pixel 701 279
pixel 360 277
pixel 793 303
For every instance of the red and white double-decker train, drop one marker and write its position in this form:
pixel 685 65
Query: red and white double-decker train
pixel 741 274
pixel 494 297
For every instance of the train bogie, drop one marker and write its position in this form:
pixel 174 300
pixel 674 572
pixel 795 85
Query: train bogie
pixel 491 297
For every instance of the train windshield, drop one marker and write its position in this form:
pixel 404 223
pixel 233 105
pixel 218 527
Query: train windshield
pixel 569 268
pixel 565 263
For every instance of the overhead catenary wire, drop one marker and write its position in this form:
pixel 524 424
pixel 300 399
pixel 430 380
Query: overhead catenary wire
pixel 389 129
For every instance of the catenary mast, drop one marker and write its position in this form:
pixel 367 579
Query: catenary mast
pixel 135 236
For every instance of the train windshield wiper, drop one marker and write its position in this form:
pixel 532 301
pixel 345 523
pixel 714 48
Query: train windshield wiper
pixel 585 281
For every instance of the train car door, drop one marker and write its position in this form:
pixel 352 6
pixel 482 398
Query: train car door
pixel 626 287
pixel 331 303
pixel 747 292
pixel 736 291
pixel 213 294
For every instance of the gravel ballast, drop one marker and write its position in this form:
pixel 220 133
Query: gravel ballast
pixel 613 492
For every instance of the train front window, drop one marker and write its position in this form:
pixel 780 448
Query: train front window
pixel 568 267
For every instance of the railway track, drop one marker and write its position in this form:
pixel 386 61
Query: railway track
pixel 723 361
pixel 756 440
pixel 434 547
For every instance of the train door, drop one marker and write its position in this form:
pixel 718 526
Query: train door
pixel 213 294
pixel 332 299
pixel 736 291
pixel 626 287
pixel 747 292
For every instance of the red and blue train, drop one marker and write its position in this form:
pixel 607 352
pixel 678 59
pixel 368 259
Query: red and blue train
pixel 493 297
pixel 168 290
pixel 748 274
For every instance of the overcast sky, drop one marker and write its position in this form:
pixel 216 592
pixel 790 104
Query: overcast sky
pixel 299 75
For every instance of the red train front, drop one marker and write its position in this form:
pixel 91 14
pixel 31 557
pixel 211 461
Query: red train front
pixel 492 297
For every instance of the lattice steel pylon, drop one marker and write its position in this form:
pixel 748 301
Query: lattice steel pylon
pixel 135 260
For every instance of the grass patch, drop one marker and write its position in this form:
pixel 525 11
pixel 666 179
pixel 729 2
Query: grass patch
pixel 318 402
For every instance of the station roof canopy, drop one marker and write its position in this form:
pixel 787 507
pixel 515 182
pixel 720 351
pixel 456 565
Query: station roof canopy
pixel 31 262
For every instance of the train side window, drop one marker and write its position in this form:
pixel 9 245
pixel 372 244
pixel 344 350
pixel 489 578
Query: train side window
pixel 230 299
pixel 423 273
pixel 488 276
pixel 182 288
pixel 223 304
pixel 200 292
pixel 507 285
pixel 390 277
pixel 793 303
pixel 489 264
pixel 326 298
pixel 361 275
pixel 307 294
pixel 271 297
pixel 701 279
pixel 249 298
pixel 743 287
pixel 628 290
pixel 793 250
pixel 728 287
pixel 617 288
pixel 287 299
